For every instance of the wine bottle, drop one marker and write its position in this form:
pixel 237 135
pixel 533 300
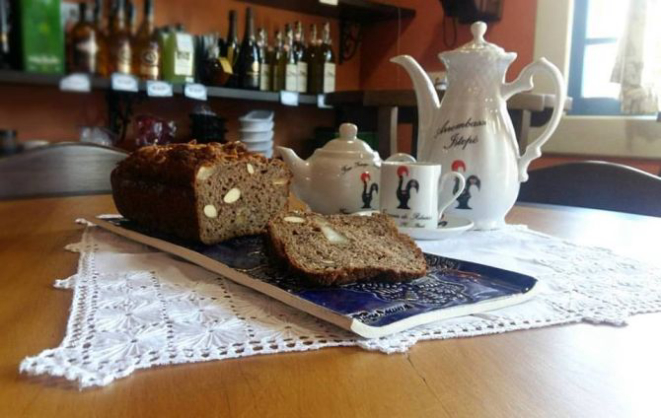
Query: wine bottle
pixel 327 60
pixel 231 49
pixel 279 63
pixel 311 59
pixel 82 44
pixel 265 60
pixel 101 39
pixel 119 42
pixel 248 61
pixel 291 69
pixel 130 17
pixel 5 60
pixel 217 69
pixel 301 59
pixel 147 51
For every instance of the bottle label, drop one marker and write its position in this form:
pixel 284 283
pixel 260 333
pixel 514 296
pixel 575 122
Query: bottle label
pixel 278 82
pixel 302 77
pixel 265 77
pixel 329 77
pixel 232 55
pixel 291 77
pixel 85 55
pixel 225 64
pixel 124 58
pixel 252 75
pixel 149 60
pixel 184 55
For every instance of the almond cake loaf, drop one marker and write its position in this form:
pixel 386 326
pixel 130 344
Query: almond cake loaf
pixel 201 192
pixel 338 249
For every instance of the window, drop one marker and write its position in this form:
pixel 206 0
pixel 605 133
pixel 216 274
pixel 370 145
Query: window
pixel 597 27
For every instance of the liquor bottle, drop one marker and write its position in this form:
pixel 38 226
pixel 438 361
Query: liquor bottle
pixel 326 60
pixel 130 17
pixel 101 39
pixel 4 36
pixel 231 49
pixel 248 61
pixel 212 70
pixel 301 59
pixel 37 41
pixel 265 60
pixel 83 46
pixel 119 41
pixel 179 56
pixel 291 69
pixel 311 58
pixel 147 51
pixel 279 63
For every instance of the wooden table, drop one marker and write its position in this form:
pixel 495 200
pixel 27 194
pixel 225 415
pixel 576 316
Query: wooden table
pixel 577 370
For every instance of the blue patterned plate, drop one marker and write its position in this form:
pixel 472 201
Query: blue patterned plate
pixel 370 309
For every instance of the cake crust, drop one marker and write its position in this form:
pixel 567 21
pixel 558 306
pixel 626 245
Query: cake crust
pixel 181 189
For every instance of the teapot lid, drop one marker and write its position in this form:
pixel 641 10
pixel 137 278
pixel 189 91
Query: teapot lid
pixel 347 142
pixel 479 45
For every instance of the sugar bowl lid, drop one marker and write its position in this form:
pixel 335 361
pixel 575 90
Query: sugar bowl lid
pixel 347 143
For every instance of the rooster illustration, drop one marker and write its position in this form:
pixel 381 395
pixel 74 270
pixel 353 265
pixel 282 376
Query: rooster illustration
pixel 471 180
pixel 367 194
pixel 404 194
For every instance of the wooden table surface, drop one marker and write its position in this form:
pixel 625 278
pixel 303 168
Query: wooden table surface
pixel 576 370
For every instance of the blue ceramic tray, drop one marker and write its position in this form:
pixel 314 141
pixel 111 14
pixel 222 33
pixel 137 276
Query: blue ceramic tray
pixel 371 309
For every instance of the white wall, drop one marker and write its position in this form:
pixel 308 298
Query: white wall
pixel 586 135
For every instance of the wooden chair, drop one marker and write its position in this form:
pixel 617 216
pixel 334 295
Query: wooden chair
pixel 596 185
pixel 58 170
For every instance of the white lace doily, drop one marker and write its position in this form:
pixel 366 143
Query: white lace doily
pixel 134 307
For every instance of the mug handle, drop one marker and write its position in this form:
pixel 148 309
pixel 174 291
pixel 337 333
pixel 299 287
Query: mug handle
pixel 442 205
pixel 401 157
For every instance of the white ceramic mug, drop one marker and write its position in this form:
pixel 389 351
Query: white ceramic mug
pixel 410 191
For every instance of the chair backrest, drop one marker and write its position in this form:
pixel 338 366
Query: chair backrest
pixel 597 185
pixel 58 170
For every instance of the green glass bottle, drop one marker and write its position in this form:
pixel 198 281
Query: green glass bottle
pixel 326 62
pixel 291 68
pixel 248 61
pixel 301 59
pixel 265 60
pixel 311 59
pixel 279 63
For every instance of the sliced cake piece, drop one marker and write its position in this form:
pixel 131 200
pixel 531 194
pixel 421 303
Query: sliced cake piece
pixel 338 249
pixel 207 192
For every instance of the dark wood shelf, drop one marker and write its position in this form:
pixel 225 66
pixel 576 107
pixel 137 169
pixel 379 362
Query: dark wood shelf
pixel 359 11
pixel 99 83
pixel 406 98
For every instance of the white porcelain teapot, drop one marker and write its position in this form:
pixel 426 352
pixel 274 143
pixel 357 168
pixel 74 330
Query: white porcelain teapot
pixel 471 132
pixel 341 177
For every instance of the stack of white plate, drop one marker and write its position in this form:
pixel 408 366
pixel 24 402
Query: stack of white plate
pixel 257 132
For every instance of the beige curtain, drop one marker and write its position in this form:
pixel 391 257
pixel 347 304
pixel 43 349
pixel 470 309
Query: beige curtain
pixel 638 64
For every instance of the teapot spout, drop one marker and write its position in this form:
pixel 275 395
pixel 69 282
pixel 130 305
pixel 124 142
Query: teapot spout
pixel 299 167
pixel 425 94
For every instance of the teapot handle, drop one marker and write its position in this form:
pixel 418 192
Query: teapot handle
pixel 524 82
